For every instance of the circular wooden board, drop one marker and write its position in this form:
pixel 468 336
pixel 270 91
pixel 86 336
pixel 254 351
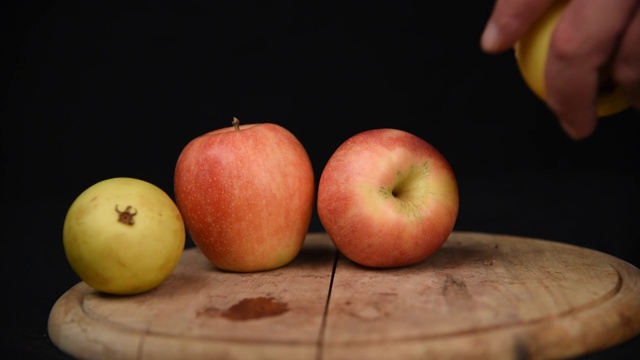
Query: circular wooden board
pixel 480 296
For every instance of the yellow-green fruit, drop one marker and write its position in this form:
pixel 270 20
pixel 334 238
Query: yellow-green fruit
pixel 123 236
pixel 531 55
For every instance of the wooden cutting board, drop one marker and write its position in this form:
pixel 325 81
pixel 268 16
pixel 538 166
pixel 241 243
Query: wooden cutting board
pixel 480 296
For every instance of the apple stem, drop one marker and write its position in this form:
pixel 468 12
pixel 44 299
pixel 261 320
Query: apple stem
pixel 236 123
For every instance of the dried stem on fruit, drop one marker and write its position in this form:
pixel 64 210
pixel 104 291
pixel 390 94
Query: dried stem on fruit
pixel 125 216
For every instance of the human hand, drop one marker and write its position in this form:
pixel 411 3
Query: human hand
pixel 590 35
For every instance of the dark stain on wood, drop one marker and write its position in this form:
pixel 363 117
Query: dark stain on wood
pixel 255 308
pixel 521 350
pixel 456 294
pixel 454 288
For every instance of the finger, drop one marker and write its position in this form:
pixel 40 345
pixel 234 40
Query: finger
pixel 582 43
pixel 626 68
pixel 508 21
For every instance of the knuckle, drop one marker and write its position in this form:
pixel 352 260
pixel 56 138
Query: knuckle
pixel 626 74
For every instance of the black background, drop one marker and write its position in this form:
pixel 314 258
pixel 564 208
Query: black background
pixel 94 90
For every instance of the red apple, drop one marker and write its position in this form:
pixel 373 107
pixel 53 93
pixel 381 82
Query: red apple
pixel 246 194
pixel 387 198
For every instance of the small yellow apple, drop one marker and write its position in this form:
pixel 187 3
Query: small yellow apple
pixel 123 236
pixel 531 56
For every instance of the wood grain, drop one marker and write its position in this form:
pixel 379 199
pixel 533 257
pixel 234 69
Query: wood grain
pixel 479 296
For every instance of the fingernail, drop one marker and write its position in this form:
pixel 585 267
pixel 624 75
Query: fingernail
pixel 577 133
pixel 489 39
pixel 569 130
